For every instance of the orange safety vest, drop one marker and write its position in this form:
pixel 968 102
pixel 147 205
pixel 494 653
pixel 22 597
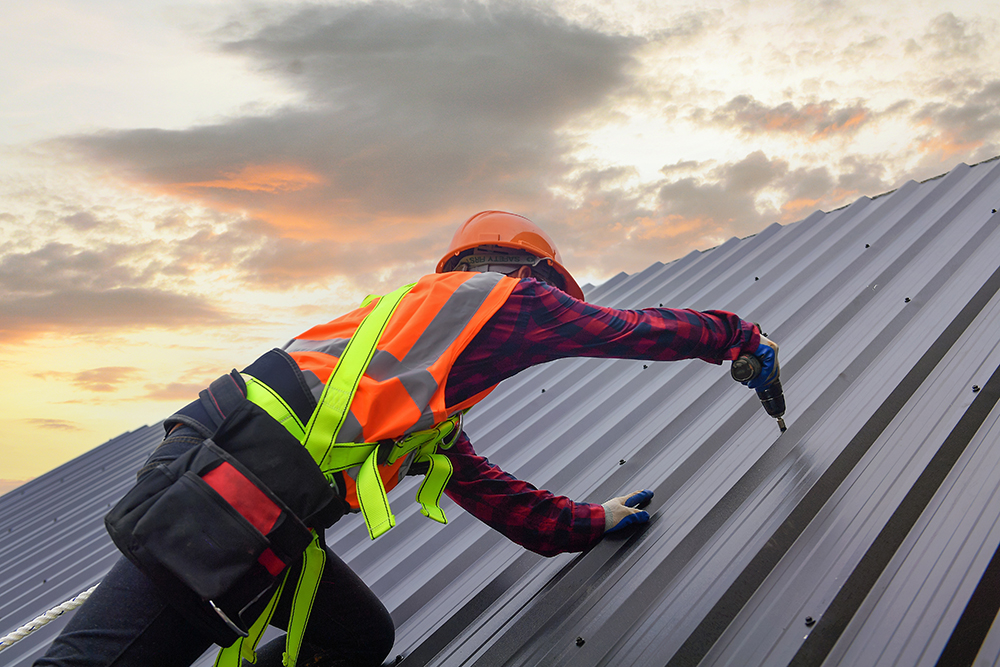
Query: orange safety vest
pixel 403 388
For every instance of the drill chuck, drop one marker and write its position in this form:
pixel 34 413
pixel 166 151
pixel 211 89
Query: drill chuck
pixel 773 399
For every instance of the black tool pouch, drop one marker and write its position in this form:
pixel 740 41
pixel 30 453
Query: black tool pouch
pixel 216 527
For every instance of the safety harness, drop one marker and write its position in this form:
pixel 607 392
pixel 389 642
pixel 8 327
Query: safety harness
pixel 319 438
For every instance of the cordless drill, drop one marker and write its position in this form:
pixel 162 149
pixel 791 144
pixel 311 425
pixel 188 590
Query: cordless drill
pixel 745 369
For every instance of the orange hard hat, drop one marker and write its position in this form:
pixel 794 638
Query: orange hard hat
pixel 508 230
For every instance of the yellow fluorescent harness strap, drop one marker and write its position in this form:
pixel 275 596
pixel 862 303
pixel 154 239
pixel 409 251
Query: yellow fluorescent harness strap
pixel 319 435
pixel 313 562
pixel 245 647
pixel 335 401
pixel 274 405
pixel 429 493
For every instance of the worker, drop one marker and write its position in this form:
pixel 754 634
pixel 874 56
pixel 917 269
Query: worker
pixel 499 302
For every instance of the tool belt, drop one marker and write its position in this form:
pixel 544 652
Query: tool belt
pixel 217 527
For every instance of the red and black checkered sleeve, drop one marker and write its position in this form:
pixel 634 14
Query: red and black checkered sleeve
pixel 536 519
pixel 539 323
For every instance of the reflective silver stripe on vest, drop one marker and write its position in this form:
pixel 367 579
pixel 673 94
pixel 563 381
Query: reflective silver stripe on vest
pixel 411 371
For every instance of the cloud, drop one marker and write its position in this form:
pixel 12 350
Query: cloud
pixel 967 124
pixel 63 266
pixel 71 312
pixel 702 204
pixel 814 121
pixel 53 424
pixel 62 288
pixel 952 37
pixel 727 196
pixel 11 484
pixel 261 178
pixel 694 205
pixel 414 112
pixel 103 379
pixel 82 221
pixel 174 391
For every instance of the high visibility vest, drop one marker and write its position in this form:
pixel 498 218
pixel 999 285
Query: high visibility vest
pixel 398 403
pixel 379 376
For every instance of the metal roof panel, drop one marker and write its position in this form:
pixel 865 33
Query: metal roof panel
pixel 876 515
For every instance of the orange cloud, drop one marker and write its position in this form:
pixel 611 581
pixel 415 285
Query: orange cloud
pixel 270 178
pixel 174 391
pixel 796 206
pixel 948 144
pixel 853 122
pixel 787 118
pixel 670 227
pixel 53 424
pixel 796 209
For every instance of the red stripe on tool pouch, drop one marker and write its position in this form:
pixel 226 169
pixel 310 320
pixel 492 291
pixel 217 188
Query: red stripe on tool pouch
pixel 245 498
pixel 271 562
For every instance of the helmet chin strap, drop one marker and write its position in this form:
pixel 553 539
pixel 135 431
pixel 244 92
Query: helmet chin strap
pixel 507 264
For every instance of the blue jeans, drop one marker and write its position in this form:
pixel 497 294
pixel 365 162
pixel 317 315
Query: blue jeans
pixel 127 623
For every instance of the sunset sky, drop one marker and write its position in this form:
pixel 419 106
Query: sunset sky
pixel 185 185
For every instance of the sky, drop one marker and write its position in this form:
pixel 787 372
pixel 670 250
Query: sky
pixel 184 186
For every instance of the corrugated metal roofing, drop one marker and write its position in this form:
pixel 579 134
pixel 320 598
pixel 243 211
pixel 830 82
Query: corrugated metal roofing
pixel 866 534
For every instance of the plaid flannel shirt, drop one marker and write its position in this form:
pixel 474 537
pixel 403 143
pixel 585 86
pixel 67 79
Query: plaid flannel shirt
pixel 537 324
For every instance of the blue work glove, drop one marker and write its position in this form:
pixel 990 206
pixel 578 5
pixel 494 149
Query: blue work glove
pixel 622 512
pixel 767 353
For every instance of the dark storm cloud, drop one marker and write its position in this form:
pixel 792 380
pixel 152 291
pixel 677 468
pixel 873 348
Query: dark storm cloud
pixel 411 110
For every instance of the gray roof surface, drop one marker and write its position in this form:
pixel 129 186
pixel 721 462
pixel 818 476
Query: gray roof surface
pixel 866 534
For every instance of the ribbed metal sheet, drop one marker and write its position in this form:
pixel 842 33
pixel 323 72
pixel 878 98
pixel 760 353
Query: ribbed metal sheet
pixel 867 534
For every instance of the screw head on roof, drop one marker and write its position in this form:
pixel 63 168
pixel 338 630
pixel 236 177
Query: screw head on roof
pixel 906 300
pixel 810 621
pixel 645 366
pixel 621 462
pixel 994 210
pixel 543 391
pixel 756 278
pixel 975 389
pixel 580 641
pixel 867 246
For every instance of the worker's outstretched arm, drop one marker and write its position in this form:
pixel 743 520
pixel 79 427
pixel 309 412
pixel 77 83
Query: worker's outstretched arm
pixel 539 323
pixel 534 518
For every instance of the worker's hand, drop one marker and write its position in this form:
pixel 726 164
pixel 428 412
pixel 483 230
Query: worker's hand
pixel 767 352
pixel 622 512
